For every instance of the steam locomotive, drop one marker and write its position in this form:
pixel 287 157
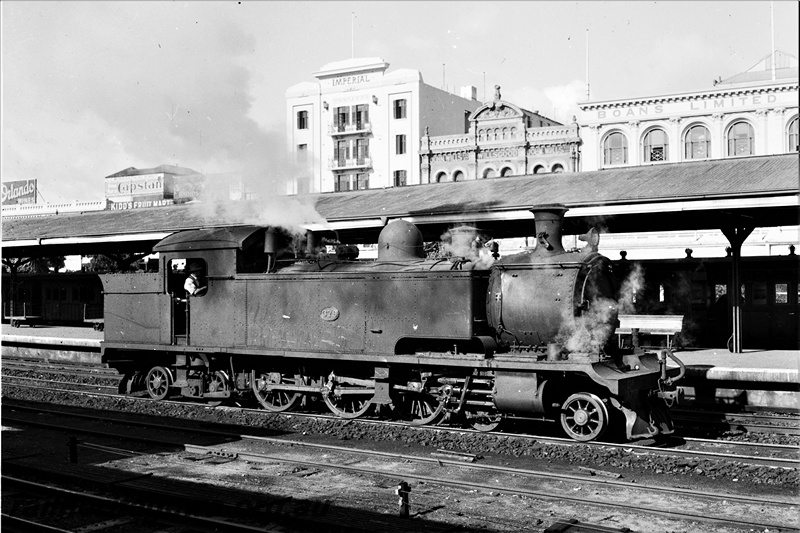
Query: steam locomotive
pixel 413 338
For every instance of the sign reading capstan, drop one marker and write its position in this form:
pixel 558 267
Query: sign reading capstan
pixel 130 186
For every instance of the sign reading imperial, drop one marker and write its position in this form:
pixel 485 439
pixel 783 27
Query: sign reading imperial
pixel 129 186
pixel 19 192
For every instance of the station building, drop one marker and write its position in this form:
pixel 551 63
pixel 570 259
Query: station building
pixel 754 113
pixel 359 125
pixel 749 114
pixel 503 140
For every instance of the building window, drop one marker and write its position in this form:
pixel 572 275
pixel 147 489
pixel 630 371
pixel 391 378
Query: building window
pixel 342 183
pixel 399 178
pixel 302 154
pixel 362 150
pixel 615 149
pixel 341 152
pixel 302 120
pixel 538 169
pixel 400 144
pixel 361 116
pixel 793 140
pixel 557 168
pixel 740 139
pixel 655 146
pixel 400 108
pixel 441 177
pixel 351 182
pixel 458 176
pixel 341 118
pixel 698 143
pixel 781 293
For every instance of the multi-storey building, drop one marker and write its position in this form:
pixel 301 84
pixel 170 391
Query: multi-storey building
pixel 752 113
pixel 503 140
pixel 359 125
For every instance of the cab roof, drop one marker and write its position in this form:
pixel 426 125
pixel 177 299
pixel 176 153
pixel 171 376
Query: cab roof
pixel 207 239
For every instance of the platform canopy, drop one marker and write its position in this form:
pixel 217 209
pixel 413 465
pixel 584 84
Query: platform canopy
pixel 755 191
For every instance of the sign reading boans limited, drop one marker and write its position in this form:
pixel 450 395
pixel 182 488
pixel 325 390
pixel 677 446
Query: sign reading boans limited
pixel 134 186
pixel 19 192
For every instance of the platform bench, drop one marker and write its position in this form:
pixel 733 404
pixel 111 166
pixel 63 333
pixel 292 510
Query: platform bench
pixel 669 325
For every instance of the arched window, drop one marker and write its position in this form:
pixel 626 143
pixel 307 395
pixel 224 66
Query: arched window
pixel 458 176
pixel 557 168
pixel 655 146
pixel 441 176
pixel 793 140
pixel 481 135
pixel 538 169
pixel 740 139
pixel 505 133
pixel 506 172
pixel 615 149
pixel 697 142
pixel 488 173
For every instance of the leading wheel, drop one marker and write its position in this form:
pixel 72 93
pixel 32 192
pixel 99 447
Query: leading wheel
pixel 346 401
pixel 584 416
pixel 270 398
pixel 158 382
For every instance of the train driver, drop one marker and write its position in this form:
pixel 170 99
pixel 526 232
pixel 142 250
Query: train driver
pixel 193 286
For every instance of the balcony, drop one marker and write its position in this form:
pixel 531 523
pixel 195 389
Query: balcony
pixel 363 128
pixel 350 163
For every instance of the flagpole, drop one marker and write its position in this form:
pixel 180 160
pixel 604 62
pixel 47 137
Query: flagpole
pixel 772 31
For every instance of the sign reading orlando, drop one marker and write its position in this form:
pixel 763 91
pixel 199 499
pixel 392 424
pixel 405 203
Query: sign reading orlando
pixel 19 192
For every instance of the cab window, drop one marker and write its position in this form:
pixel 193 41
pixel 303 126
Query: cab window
pixel 178 272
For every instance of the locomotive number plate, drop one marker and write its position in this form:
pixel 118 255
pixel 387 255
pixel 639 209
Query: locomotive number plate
pixel 329 313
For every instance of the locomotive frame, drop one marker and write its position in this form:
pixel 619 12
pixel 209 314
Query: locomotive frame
pixel 417 339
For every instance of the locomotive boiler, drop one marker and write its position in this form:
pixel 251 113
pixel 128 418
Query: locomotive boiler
pixel 404 336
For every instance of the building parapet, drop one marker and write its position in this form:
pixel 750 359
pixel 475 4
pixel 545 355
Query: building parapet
pixel 554 132
pixel 36 210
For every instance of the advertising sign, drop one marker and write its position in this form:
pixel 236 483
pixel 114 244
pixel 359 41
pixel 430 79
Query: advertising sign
pixel 135 186
pixel 19 192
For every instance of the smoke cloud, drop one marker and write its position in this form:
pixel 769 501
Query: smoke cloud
pixel 594 326
pixel 155 83
pixel 469 243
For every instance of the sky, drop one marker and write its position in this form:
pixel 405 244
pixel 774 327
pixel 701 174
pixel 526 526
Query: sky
pixel 92 88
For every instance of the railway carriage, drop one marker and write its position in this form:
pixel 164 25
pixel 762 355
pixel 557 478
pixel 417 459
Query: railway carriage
pixel 409 337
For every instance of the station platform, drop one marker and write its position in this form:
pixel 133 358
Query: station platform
pixel 754 379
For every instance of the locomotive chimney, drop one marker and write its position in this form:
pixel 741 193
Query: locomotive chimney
pixel 549 222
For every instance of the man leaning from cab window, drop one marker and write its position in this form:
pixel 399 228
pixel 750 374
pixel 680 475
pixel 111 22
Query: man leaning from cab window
pixel 193 285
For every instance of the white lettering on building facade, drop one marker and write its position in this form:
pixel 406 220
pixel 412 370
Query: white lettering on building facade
pixel 728 103
pixel 134 185
pixel 350 81
pixel 19 192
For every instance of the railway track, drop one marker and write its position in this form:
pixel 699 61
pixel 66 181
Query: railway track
pixel 717 421
pixel 449 470
pixel 750 422
pixel 757 454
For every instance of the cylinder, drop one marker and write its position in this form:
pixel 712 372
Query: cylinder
pixel 554 352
